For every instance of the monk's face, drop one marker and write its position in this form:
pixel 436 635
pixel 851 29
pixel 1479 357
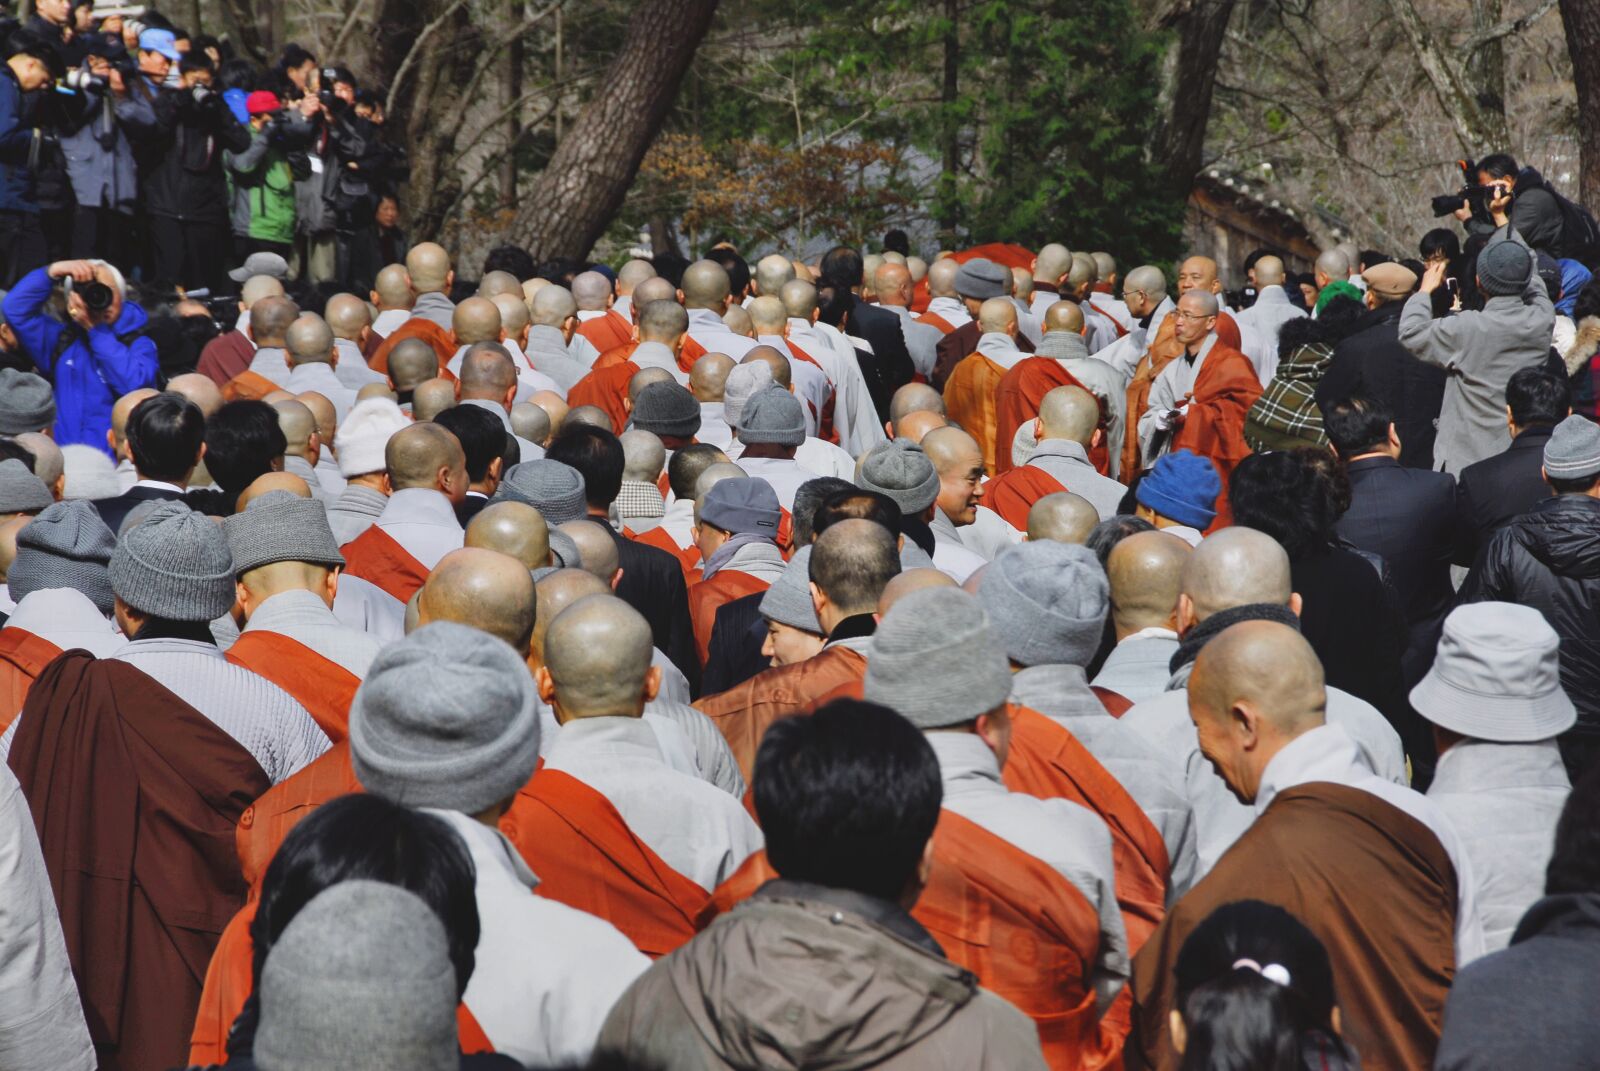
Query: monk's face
pixel 961 485
pixel 1198 273
pixel 786 645
pixel 1191 323
pixel 1223 744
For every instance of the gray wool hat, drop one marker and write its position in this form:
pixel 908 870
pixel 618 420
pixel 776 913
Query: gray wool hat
pixel 902 471
pixel 280 526
pixel 1504 267
pixel 744 383
pixel 554 489
pixel 788 601
pixel 20 490
pixel 1047 603
pixel 935 659
pixel 1573 450
pixel 66 546
pixel 566 549
pixel 773 416
pixel 445 718
pixel 742 505
pixel 1496 676
pixel 174 564
pixel 667 409
pixel 361 977
pixel 981 279
pixel 27 402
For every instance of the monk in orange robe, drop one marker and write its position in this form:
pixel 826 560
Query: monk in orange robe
pixel 970 394
pixel 737 538
pixel 23 657
pixel 657 341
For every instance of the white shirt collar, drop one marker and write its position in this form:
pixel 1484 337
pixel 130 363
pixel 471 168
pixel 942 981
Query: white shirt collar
pixel 1325 753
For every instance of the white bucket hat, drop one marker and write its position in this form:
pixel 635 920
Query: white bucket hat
pixel 1496 676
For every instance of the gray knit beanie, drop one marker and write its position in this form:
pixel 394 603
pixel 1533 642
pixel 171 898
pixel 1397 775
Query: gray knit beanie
pixel 935 659
pixel 667 409
pixel 280 526
pixel 1503 268
pixel 360 978
pixel 445 718
pixel 902 471
pixel 1047 602
pixel 744 383
pixel 773 416
pixel 27 403
pixel 788 601
pixel 20 490
pixel 1573 450
pixel 174 564
pixel 554 489
pixel 66 546
pixel 981 279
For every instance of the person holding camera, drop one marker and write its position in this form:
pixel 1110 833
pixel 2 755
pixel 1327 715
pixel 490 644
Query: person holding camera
pixel 29 68
pixel 97 356
pixel 99 153
pixel 263 181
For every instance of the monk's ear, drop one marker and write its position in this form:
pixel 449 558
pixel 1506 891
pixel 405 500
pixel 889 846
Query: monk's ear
pixel 1186 615
pixel 388 485
pixel 652 683
pixel 546 684
pixel 1295 603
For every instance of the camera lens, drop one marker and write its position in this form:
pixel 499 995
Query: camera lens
pixel 96 296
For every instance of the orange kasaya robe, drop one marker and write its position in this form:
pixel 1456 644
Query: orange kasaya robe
pixel 614 356
pixel 323 687
pixel 22 657
pixel 606 388
pixel 691 352
pixel 1027 933
pixel 586 857
pixel 1224 391
pixel 969 400
pixel 442 341
pixel 688 557
pixel 933 319
pixel 376 557
pixel 709 596
pixel 248 386
pixel 1013 494
pixel 1017 399
pixel 607 332
pixel 1161 351
pixel 269 819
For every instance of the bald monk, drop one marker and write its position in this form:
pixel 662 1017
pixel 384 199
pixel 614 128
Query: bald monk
pixel 432 397
pixel 660 335
pixel 629 276
pixel 640 503
pixel 598 322
pixel 117 434
pixel 529 421
pixel 350 319
pixel 648 291
pixel 392 296
pixel 1062 361
pixel 596 549
pixel 514 319
pixel 499 283
pixel 737 319
pixel 958 459
pixel 1066 429
pixel 772 271
pixel 946 311
pixel 429 277
pixel 970 392
pixel 1142 354
pixel 907 402
pixel 377 390
pixel 706 294
pixel 199 389
pixel 1062 517
pixel 427 479
pixel 312 357
pixel 1100 328
pixel 231 352
pixel 771 322
pixel 851 563
pixel 1144 570
pixel 608 821
pixel 1265 318
pixel 270 319
pixel 514 529
pixel 592 415
pixel 287 565
pixel 1051 266
pixel 554 321
pixel 1200 399
pixel 1372 868
pixel 412 362
pixel 488 380
pixel 477 319
pixel 302 444
pixel 855 414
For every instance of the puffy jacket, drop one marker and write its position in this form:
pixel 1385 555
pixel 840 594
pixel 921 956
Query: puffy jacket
pixel 180 157
pixel 17 145
pixel 1549 559
pixel 90 371
pixel 263 190
pixel 805 977
pixel 1535 214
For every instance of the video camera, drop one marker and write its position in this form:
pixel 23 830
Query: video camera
pixel 1473 196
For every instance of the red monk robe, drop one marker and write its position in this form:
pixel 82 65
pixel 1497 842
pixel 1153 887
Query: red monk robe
pixel 1161 351
pixel 323 687
pixel 269 819
pixel 608 331
pixel 709 596
pixel 226 356
pixel 375 556
pixel 658 537
pixel 248 386
pixel 606 388
pixel 442 341
pixel 690 352
pixel 23 657
pixel 1017 399
pixel 1224 391
pixel 614 356
pixel 969 400
pixel 1013 494
pixel 1027 933
pixel 156 819
pixel 586 857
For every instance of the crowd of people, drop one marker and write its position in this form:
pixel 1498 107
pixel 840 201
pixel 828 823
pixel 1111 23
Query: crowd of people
pixel 994 660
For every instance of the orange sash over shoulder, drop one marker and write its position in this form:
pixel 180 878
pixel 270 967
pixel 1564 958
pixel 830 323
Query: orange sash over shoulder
pixel 1224 391
pixel 586 857
pixel 376 557
pixel 607 332
pixel 22 657
pixel 614 356
pixel 658 537
pixel 442 341
pixel 969 397
pixel 248 386
pixel 1160 353
pixel 323 687
pixel 1013 494
pixel 605 388
pixel 1017 399
pixel 709 596
pixel 933 319
pixel 691 352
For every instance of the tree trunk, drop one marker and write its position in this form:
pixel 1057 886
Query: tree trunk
pixel 575 197
pixel 1180 141
pixel 1582 21
pixel 1477 128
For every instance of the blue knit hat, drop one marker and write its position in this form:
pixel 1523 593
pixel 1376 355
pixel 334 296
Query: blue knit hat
pixel 1182 486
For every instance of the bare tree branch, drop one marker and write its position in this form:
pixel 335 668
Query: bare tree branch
pixel 416 50
pixel 1505 28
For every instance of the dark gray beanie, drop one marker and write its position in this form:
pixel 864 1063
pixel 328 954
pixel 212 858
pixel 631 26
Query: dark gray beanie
pixel 66 546
pixel 667 409
pixel 773 416
pixel 554 489
pixel 935 659
pixel 20 490
pixel 360 978
pixel 788 601
pixel 902 471
pixel 742 505
pixel 1573 450
pixel 1503 268
pixel 1047 602
pixel 280 526
pixel 981 279
pixel 174 564
pixel 445 718
pixel 27 403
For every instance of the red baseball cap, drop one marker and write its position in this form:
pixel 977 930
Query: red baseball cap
pixel 262 102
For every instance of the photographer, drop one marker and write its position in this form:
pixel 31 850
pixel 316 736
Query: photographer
pixel 263 181
pixel 99 154
pixel 1520 197
pixel 31 65
pixel 94 358
pixel 362 168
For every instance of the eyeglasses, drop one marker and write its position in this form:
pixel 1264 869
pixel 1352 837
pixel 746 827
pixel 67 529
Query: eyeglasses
pixel 1181 315
pixel 1128 294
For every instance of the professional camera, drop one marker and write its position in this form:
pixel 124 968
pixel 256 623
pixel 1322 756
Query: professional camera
pixel 81 80
pixel 97 296
pixel 1472 195
pixel 201 93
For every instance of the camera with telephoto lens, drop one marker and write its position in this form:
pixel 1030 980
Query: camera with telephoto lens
pixel 81 80
pixel 97 297
pixel 1472 195
pixel 201 93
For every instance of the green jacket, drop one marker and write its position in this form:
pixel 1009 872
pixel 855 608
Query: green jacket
pixel 263 191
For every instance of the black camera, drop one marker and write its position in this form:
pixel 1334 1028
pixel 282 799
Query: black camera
pixel 81 80
pixel 97 297
pixel 1473 196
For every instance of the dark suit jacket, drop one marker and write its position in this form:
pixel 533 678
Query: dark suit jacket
pixel 894 368
pixel 470 507
pixel 115 510
pixel 737 636
pixel 1370 363
pixel 1496 489
pixel 652 583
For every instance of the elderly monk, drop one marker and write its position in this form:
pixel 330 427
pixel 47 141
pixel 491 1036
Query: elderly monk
pixel 946 310
pixel 957 458
pixel 706 294
pixel 970 392
pixel 1145 571
pixel 311 356
pixel 629 277
pixel 909 402
pixel 392 296
pixel 1067 430
pixel 660 332
pixel 287 565
pixel 1063 517
pixel 554 316
pixel 1062 360
pixel 476 319
pixel 488 381
pixel 302 444
pixel 429 276
pixel 269 323
pixel 650 290
pixel 850 564
pixel 1142 354
pixel 1371 867
pixel 1200 399
pixel 809 386
pixel 598 322
pixel 350 319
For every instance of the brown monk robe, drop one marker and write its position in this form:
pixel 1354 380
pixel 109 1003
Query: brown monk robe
pixel 156 820
pixel 1160 353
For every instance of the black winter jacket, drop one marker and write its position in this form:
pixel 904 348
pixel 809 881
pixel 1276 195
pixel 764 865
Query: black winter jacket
pixel 1370 363
pixel 180 161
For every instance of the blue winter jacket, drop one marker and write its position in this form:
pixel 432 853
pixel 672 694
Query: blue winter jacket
pixel 92 370
pixel 17 192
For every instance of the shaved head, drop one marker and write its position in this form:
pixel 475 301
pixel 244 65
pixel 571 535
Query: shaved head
pixel 415 456
pixel 1269 271
pixel 1083 273
pixel 647 377
pixel 661 321
pixel 799 298
pixel 591 290
pixel 375 390
pixel 270 319
pixel 530 422
pixel 553 404
pixel 597 655
pixel 309 340
pixel 199 389
pixel 714 474
pixel 950 447
pixel 915 398
pixel 1069 413
pixel 1200 302
pixel 1330 262
pixel 643 456
pixel 852 562
pixel 1236 567
pixel 907 582
pixel 776 362
pixel 1062 517
pixel 705 286
pixel 709 376
pixel 513 311
pixel 768 315
pixel 484 589
pixel 591 415
pixel 998 316
pixel 1052 263
pixel 631 274
pixel 552 306
pixel 326 415
pixel 257 287
pixel 772 271
pixel 272 481
pixel 428 265
pixel 893 285
pixel 348 316
pixel 917 424
pixel 298 425
pixel 515 529
pixel 1064 316
pixel 942 278
pixel 737 320
pixel 500 284
pixel 1022 283
pixel 48 460
pixel 556 592
pixel 432 397
pixel 596 548
pixel 476 320
pixel 412 361
pixel 654 288
pixel 1146 570
pixel 1197 273
pixel 393 287
pixel 1105 265
pixel 1148 278
pixel 487 372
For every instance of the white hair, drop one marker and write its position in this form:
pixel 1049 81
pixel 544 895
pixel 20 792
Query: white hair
pixel 117 281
